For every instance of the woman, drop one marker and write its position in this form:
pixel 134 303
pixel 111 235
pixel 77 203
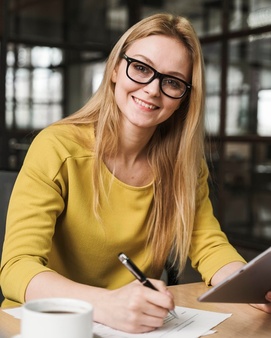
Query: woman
pixel 126 173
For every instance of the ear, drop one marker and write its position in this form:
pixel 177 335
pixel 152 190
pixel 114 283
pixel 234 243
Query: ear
pixel 114 76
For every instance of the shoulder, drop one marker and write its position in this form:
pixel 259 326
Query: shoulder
pixel 65 139
pixel 58 143
pixel 67 132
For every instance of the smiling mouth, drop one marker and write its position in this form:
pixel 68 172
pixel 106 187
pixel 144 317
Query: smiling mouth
pixel 144 104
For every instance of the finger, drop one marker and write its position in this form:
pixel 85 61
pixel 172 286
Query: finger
pixel 148 301
pixel 155 311
pixel 162 302
pixel 268 296
pixel 152 322
pixel 144 318
pixel 154 316
pixel 162 299
pixel 162 287
pixel 264 307
pixel 159 284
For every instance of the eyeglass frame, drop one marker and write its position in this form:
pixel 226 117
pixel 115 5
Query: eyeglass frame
pixel 156 75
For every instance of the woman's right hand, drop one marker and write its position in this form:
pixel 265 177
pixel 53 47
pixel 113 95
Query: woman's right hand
pixel 134 308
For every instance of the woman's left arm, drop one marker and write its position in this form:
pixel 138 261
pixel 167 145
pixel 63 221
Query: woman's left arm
pixel 225 271
pixel 211 253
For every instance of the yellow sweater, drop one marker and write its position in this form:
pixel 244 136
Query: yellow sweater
pixel 50 224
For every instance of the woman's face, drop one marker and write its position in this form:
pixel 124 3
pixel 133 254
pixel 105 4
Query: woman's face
pixel 144 105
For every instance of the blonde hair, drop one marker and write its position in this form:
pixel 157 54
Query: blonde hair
pixel 175 150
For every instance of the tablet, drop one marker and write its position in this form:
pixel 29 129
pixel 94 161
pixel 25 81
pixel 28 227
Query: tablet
pixel 247 285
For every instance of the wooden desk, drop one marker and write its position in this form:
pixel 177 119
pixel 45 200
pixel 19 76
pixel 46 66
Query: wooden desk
pixel 9 326
pixel 244 322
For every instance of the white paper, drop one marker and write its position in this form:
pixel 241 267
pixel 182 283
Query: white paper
pixel 192 323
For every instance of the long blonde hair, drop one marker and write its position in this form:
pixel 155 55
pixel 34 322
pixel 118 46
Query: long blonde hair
pixel 175 150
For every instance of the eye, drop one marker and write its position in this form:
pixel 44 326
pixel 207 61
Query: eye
pixel 172 83
pixel 141 68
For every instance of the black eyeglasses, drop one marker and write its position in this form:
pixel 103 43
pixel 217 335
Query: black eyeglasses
pixel 142 73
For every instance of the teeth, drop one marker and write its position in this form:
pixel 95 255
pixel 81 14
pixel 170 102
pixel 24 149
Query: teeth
pixel 143 104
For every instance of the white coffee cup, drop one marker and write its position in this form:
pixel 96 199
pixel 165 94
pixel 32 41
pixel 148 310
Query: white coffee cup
pixel 57 318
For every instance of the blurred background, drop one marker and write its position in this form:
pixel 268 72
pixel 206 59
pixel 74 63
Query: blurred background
pixel 52 59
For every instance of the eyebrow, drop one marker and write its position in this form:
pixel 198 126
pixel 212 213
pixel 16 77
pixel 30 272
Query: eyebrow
pixel 149 62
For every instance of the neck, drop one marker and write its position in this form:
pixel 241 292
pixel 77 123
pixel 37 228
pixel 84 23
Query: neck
pixel 133 143
pixel 130 164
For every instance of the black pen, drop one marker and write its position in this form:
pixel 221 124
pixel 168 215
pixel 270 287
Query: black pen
pixel 130 265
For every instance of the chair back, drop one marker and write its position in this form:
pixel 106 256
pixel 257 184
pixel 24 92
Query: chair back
pixel 7 180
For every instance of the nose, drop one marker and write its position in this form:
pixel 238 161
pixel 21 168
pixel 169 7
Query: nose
pixel 153 88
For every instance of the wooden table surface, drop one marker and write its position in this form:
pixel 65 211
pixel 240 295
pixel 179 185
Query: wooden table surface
pixel 245 321
pixel 9 326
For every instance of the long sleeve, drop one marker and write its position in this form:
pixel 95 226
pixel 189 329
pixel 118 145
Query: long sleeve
pixel 36 202
pixel 210 248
